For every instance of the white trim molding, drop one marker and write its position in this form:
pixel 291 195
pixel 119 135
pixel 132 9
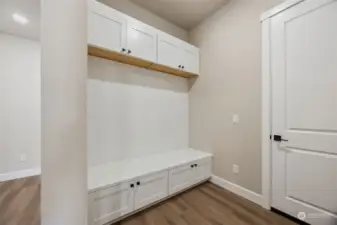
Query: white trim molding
pixel 285 5
pixel 241 191
pixel 20 174
pixel 266 114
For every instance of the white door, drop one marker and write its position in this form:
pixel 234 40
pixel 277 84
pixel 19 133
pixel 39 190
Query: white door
pixel 106 28
pixel 151 189
pixel 190 59
pixel 180 178
pixel 111 203
pixel 202 170
pixel 304 111
pixel 141 40
pixel 169 51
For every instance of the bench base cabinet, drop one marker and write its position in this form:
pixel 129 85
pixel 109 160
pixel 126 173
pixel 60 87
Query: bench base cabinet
pixel 202 170
pixel 151 189
pixel 185 176
pixel 180 178
pixel 113 203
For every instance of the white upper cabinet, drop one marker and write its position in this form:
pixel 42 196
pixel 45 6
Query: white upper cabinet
pixel 106 28
pixel 169 51
pixel 177 54
pixel 141 40
pixel 190 58
pixel 114 31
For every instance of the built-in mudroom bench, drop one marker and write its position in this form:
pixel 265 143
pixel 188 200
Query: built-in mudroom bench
pixel 119 189
pixel 136 116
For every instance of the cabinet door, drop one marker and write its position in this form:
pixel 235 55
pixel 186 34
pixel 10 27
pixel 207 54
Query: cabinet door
pixel 141 40
pixel 106 28
pixel 203 170
pixel 169 51
pixel 180 178
pixel 190 59
pixel 111 203
pixel 151 189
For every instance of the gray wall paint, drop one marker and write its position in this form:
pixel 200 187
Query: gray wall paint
pixel 147 17
pixel 20 108
pixel 230 82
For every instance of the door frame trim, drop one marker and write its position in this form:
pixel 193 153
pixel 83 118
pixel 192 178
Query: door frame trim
pixel 266 97
pixel 266 114
pixel 279 8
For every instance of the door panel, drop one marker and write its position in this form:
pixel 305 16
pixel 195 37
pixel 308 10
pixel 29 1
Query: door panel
pixel 111 203
pixel 203 170
pixel 304 109
pixel 108 32
pixel 169 51
pixel 190 59
pixel 311 70
pixel 311 141
pixel 301 168
pixel 142 40
pixel 180 178
pixel 151 189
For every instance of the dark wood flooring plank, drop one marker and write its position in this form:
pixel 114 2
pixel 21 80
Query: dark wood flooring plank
pixel 172 213
pixel 210 209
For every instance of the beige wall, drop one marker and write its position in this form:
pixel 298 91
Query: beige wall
pixel 133 10
pixel 230 82
pixel 20 105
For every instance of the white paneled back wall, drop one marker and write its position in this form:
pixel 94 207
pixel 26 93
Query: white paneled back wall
pixel 133 112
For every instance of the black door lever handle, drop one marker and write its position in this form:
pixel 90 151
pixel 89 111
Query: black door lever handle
pixel 278 138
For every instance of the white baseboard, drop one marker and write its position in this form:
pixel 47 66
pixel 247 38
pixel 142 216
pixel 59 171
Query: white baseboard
pixel 241 191
pixel 19 174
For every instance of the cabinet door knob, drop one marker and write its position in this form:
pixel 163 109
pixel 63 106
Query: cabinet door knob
pixel 196 165
pixel 132 185
pixel 183 67
pixel 179 66
pixel 138 183
pixel 129 51
pixel 192 166
pixel 123 49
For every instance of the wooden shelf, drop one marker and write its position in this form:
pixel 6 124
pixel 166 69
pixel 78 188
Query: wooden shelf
pixel 127 59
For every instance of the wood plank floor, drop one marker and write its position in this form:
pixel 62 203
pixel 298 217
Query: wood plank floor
pixel 20 202
pixel 206 204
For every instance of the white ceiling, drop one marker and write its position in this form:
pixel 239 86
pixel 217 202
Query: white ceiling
pixel 29 8
pixel 184 13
